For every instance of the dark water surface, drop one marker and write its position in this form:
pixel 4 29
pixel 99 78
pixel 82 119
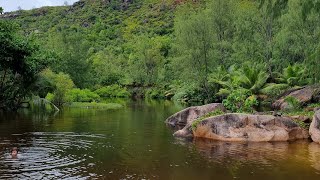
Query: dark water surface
pixel 134 143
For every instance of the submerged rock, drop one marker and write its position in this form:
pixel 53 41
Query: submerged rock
pixel 245 127
pixel 188 115
pixel 314 129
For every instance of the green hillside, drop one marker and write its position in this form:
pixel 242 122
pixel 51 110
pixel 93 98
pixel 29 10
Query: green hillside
pixel 193 51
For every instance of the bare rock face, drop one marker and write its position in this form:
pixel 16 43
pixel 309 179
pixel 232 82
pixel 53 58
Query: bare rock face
pixel 314 129
pixel 245 127
pixel 186 116
pixel 303 95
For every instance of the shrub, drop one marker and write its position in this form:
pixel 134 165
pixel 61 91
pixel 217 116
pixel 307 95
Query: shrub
pixel 241 100
pixel 62 82
pixel 293 103
pixel 50 97
pixel 154 94
pixel 84 95
pixel 113 91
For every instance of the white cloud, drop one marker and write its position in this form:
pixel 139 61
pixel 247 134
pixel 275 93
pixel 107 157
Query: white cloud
pixel 12 5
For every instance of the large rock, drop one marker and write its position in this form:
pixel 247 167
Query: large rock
pixel 314 129
pixel 303 95
pixel 245 127
pixel 187 115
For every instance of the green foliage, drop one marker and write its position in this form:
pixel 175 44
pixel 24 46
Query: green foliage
pixel 294 75
pixel 61 83
pixel 199 51
pixel 293 103
pixel 50 97
pixel 153 93
pixel 191 94
pixel 82 95
pixel 112 91
pixel 20 62
pixel 196 122
pixel 241 100
pixel 250 77
pixel 273 90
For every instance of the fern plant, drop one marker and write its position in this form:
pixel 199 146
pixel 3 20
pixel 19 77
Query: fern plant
pixel 293 75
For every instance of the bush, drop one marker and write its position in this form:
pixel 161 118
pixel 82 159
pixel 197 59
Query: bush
pixel 113 91
pixel 293 103
pixel 50 97
pixel 192 95
pixel 84 95
pixel 154 94
pixel 241 100
pixel 62 84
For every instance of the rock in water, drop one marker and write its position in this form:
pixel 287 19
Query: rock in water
pixel 245 127
pixel 314 129
pixel 186 116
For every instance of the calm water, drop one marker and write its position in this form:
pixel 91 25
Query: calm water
pixel 134 143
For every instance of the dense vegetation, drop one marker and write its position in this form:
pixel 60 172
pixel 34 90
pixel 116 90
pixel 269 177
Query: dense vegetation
pixel 241 52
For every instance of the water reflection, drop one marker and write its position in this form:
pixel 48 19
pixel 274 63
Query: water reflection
pixel 236 156
pixel 134 143
pixel 314 151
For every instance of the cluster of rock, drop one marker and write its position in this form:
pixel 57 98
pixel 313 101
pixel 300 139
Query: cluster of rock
pixel 242 127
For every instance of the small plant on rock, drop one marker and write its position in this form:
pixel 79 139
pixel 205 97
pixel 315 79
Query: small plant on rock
pixel 241 100
pixel 293 103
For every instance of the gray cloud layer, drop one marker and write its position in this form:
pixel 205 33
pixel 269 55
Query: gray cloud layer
pixel 12 5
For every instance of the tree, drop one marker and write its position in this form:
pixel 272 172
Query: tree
pixel 72 49
pixel 310 6
pixel 270 11
pixel 146 60
pixel 194 48
pixel 221 15
pixel 62 83
pixel 20 62
pixel 106 69
pixel 1 10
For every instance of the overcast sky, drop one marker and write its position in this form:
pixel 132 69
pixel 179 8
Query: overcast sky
pixel 12 5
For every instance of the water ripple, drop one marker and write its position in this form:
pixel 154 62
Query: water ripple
pixel 49 155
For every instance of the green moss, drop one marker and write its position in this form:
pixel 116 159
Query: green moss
pixel 95 105
pixel 200 119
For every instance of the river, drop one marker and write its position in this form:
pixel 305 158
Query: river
pixel 135 143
